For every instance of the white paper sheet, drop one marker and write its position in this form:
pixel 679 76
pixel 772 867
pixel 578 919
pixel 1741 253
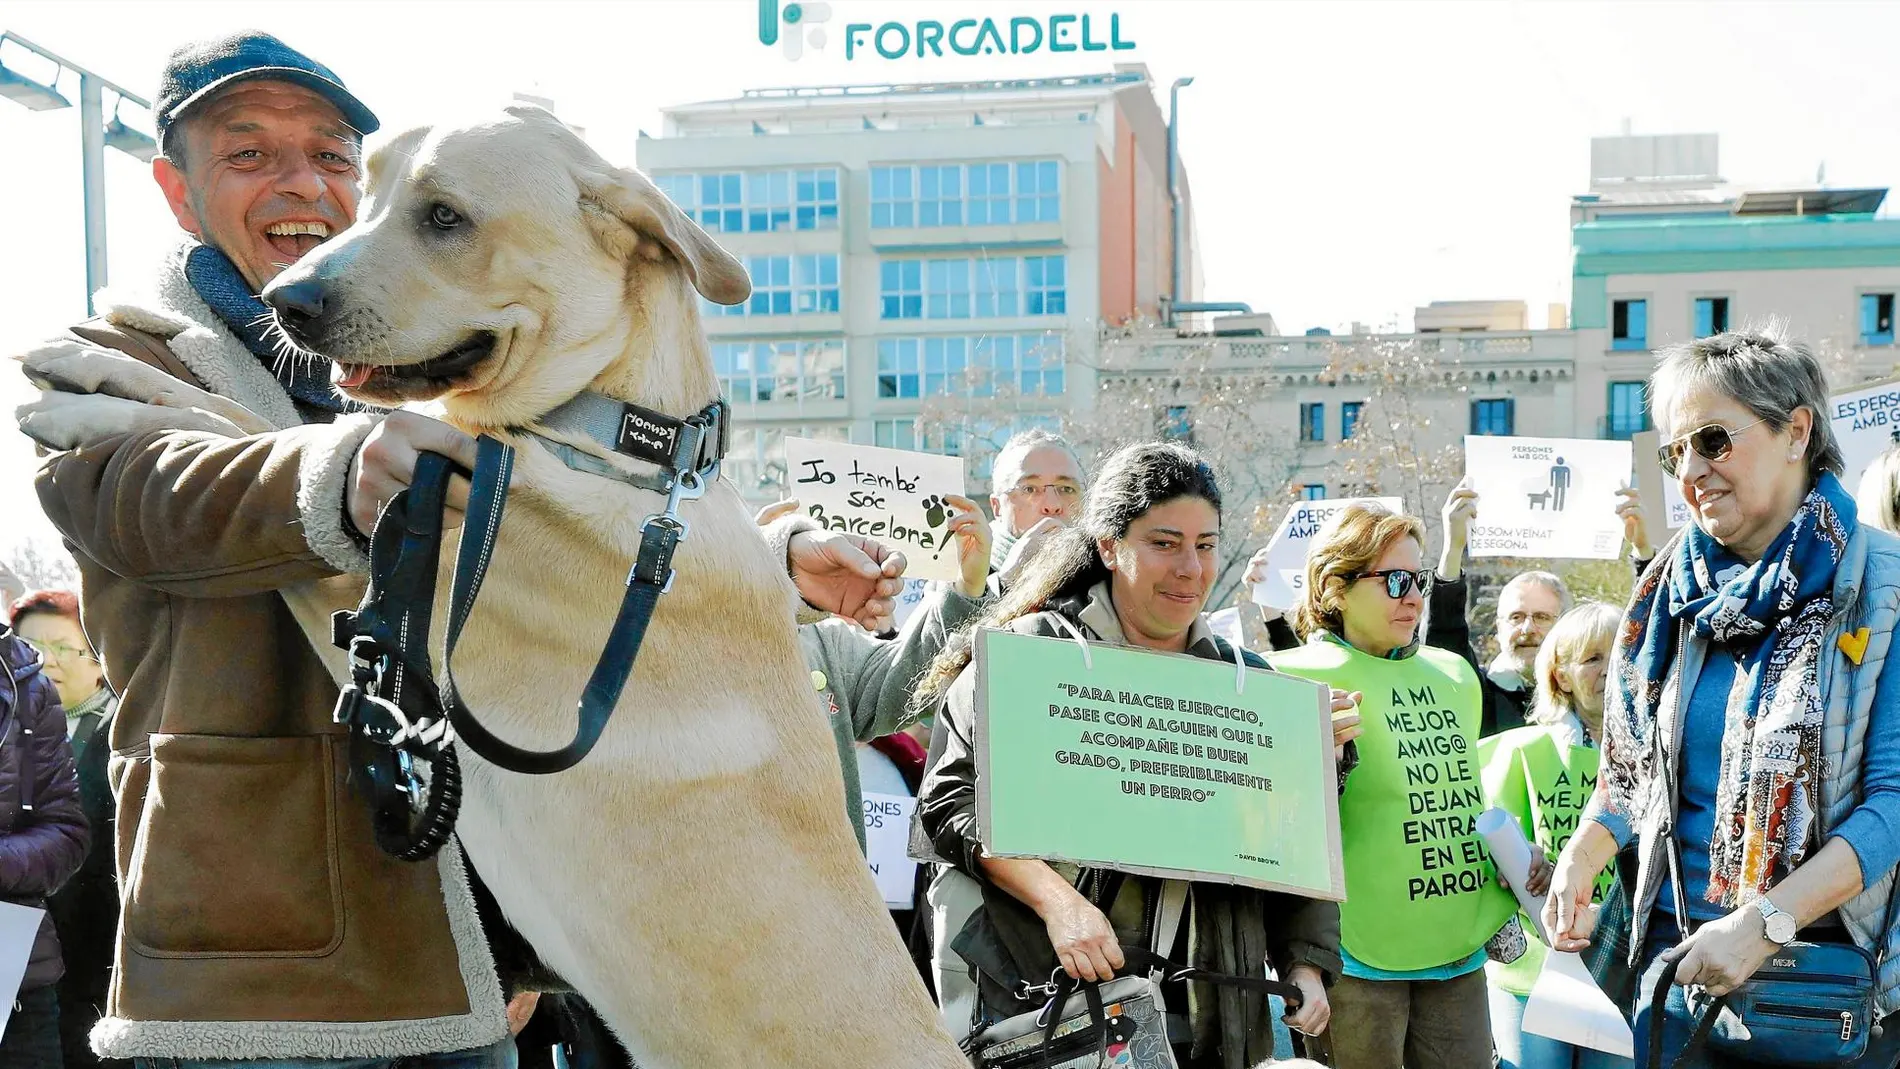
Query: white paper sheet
pixel 1511 852
pixel 1567 1005
pixel 1546 497
pixel 1285 585
pixel 19 925
pixel 886 839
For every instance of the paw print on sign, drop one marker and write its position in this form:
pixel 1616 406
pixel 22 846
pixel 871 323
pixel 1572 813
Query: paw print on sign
pixel 936 514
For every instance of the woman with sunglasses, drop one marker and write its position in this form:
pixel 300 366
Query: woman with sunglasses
pixel 1421 901
pixel 1751 738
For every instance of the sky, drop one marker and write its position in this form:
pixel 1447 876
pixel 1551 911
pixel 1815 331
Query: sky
pixel 1350 159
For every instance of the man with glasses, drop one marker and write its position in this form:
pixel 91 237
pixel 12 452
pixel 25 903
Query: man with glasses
pixel 1528 607
pixel 1035 488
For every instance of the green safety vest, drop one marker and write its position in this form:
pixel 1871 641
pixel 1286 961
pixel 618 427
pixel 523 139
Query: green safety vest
pixel 1544 784
pixel 1419 886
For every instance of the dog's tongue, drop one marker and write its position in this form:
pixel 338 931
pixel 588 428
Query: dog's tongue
pixel 349 375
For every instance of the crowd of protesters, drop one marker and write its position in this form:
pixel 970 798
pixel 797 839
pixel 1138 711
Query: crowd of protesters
pixel 1733 719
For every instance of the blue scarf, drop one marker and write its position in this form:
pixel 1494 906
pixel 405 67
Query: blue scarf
pixel 306 380
pixel 1772 616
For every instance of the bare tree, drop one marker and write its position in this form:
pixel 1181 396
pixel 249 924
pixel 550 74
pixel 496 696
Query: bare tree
pixel 41 565
pixel 1404 445
pixel 1186 389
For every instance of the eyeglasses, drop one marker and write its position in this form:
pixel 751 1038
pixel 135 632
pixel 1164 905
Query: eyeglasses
pixel 1712 443
pixel 1065 491
pixel 1399 582
pixel 1541 619
pixel 53 647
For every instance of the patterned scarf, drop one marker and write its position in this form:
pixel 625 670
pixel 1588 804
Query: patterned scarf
pixel 306 380
pixel 1772 616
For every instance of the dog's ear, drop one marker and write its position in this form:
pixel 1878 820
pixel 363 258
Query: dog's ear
pixel 615 199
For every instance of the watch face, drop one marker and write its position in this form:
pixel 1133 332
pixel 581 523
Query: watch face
pixel 1781 928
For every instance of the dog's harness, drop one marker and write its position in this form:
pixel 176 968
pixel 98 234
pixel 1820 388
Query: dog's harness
pixel 401 720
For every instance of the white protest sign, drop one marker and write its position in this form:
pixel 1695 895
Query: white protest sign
pixel 1567 1005
pixel 893 495
pixel 19 925
pixel 1546 497
pixel 1662 496
pixel 887 846
pixel 1226 623
pixel 1285 586
pixel 908 599
pixel 1864 420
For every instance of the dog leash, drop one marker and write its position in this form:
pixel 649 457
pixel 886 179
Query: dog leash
pixel 394 705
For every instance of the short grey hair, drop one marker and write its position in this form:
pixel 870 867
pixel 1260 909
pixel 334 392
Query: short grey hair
pixel 1548 580
pixel 1023 441
pixel 1763 372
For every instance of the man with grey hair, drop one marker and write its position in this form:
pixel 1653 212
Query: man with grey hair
pixel 1528 606
pixel 1036 487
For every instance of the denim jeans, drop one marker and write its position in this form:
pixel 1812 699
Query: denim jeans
pixel 1883 1051
pixel 1518 1049
pixel 499 1056
pixel 32 1036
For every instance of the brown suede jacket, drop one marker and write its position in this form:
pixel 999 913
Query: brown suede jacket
pixel 260 919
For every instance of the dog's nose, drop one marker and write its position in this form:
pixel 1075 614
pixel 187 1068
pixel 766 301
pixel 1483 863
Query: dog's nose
pixel 299 306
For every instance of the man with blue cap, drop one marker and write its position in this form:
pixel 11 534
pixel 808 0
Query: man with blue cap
pixel 261 925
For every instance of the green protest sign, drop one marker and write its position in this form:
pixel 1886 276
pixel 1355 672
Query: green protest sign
pixel 1154 763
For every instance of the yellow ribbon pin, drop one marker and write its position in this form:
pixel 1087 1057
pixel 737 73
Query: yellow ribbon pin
pixel 1855 645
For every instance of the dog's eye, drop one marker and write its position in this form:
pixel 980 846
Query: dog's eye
pixel 443 217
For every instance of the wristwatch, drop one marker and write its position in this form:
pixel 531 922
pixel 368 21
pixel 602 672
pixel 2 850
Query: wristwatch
pixel 1778 923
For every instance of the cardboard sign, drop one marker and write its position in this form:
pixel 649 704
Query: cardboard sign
pixel 1546 497
pixel 1567 1005
pixel 1662 496
pixel 1865 420
pixel 892 495
pixel 886 839
pixel 908 599
pixel 1107 757
pixel 19 927
pixel 1285 586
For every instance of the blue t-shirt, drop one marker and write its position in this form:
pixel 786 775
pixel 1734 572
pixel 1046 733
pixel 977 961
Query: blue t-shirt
pixel 1699 776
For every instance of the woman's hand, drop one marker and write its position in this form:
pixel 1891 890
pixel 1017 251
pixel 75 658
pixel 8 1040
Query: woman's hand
pixel 1723 954
pixel 1346 724
pixel 1084 940
pixel 1538 882
pixel 972 533
pixel 1315 1013
pixel 1635 522
pixel 1567 913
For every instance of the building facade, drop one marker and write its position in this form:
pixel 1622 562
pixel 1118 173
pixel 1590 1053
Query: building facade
pixel 909 243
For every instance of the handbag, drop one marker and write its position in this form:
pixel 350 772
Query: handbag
pixel 1811 1005
pixel 1122 1023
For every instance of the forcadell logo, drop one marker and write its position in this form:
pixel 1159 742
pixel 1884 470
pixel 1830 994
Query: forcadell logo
pixel 795 26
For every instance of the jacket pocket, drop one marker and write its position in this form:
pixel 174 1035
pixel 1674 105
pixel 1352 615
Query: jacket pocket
pixel 236 850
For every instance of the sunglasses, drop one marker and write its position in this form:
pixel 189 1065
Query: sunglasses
pixel 1399 582
pixel 1712 443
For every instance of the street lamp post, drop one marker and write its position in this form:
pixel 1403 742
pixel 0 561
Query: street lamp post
pixel 94 136
pixel 1174 195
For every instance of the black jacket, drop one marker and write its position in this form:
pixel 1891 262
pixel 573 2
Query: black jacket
pixel 43 834
pixel 1448 627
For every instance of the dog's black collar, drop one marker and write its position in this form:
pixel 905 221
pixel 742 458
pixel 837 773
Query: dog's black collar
pixel 676 446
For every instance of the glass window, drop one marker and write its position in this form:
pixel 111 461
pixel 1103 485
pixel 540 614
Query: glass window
pixel 1045 285
pixel 1711 316
pixel 1876 319
pixel 817 284
pixel 721 202
pixel 940 196
pixel 771 285
pixel 893 196
pixel 997 293
pixel 897 368
pixel 1629 324
pixel 1493 416
pixel 1349 418
pixel 901 289
pixel 817 199
pixel 946 366
pixel 895 433
pixel 1038 199
pixel 768 201
pixel 1041 361
pixel 1628 414
pixel 1313 421
pixel 989 193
